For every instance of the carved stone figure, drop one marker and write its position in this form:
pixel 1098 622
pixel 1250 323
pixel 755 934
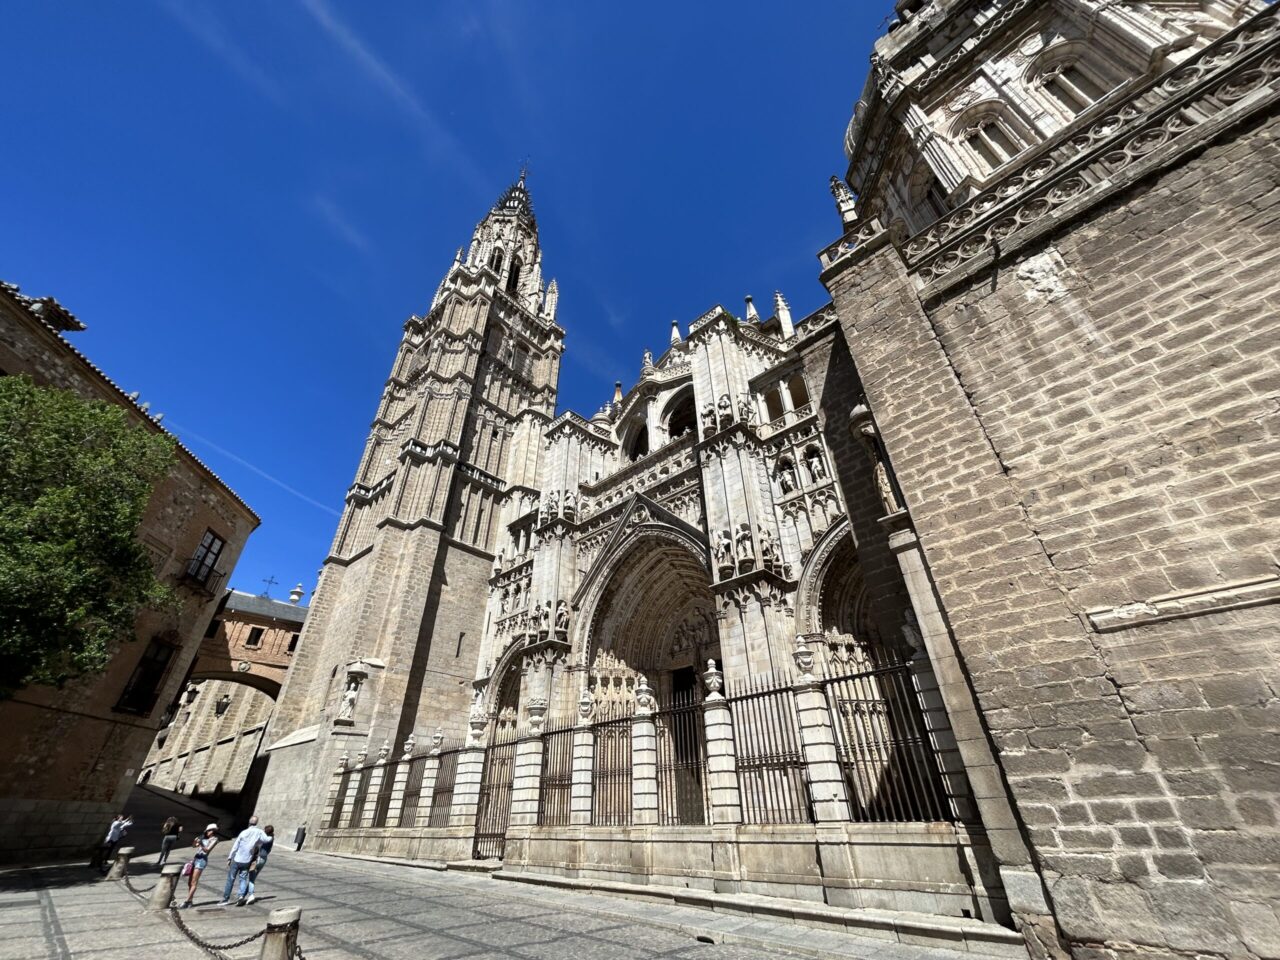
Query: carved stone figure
pixel 543 616
pixel 504 602
pixel 552 505
pixel 817 468
pixel 746 549
pixel 562 617
pixel 884 486
pixel 768 548
pixel 570 505
pixel 709 419
pixel 786 476
pixel 723 548
pixel 347 708
pixel 746 410
pixel 725 407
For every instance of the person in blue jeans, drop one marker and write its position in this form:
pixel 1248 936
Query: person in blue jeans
pixel 263 850
pixel 243 854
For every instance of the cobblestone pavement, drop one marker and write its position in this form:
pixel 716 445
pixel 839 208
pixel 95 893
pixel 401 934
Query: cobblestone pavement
pixel 379 911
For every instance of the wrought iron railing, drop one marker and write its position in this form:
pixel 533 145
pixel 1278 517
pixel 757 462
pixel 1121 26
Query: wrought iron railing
pixel 889 768
pixel 611 766
pixel 198 573
pixel 772 778
pixel 556 782
pixel 340 801
pixel 409 806
pixel 682 762
pixel 442 792
pixel 493 807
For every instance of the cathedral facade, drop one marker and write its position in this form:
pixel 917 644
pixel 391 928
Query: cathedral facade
pixel 946 613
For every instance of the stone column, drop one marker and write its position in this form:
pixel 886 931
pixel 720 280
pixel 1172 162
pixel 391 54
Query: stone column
pixel 335 787
pixel 526 780
pixel 120 866
pixel 430 774
pixel 644 757
pixel 722 766
pixel 348 815
pixel 817 738
pixel 466 785
pixel 401 780
pixel 281 941
pixel 376 775
pixel 584 750
pixel 162 893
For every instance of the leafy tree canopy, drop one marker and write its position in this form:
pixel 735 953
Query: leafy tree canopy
pixel 75 479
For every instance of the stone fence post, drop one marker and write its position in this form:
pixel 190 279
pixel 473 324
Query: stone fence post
pixel 162 892
pixel 584 750
pixel 335 788
pixel 348 814
pixel 466 785
pixel 722 765
pixel 818 741
pixel 526 777
pixel 120 866
pixel 377 773
pixel 281 940
pixel 644 758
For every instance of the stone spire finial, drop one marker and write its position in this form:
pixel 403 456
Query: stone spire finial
pixel 296 595
pixel 617 391
pixel 551 300
pixel 782 310
pixel 675 333
pixel 752 313
pixel 846 203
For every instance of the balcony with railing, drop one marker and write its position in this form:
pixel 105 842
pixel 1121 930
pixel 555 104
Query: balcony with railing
pixel 199 574
pixel 788 419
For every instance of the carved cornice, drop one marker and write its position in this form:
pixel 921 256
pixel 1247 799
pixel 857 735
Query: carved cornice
pixel 1083 165
pixel 1190 603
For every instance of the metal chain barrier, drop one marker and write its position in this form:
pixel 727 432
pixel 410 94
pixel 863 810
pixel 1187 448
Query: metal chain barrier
pixel 212 949
pixel 134 890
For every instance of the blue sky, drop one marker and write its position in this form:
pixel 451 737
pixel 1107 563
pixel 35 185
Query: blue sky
pixel 245 200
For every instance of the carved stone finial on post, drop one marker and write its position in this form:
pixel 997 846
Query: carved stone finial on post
pixel 644 696
pixel 846 204
pixel 437 738
pixel 586 704
pixel 714 680
pixel 409 743
pixel 343 761
pixel 384 750
pixel 803 657
pixel 361 757
pixel 537 713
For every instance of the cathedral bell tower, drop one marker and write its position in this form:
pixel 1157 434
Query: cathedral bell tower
pixel 455 443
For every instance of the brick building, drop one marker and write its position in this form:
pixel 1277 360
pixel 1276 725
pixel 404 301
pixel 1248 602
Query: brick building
pixel 72 755
pixel 210 736
pixel 954 599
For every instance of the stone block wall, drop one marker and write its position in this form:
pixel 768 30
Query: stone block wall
pixel 1086 434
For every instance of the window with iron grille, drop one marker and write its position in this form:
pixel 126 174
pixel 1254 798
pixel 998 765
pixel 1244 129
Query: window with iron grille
pixel 143 689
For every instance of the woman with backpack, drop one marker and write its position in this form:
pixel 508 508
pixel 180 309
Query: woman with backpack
pixel 200 861
pixel 169 834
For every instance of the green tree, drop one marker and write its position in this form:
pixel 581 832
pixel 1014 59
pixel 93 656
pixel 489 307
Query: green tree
pixel 75 479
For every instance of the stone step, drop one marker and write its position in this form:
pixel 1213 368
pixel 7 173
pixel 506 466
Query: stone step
pixel 975 937
pixel 474 866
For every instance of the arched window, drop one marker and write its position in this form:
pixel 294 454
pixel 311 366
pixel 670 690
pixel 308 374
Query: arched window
pixel 799 392
pixel 495 261
pixel 513 280
pixel 1073 89
pixel 636 444
pixel 773 405
pixel 681 415
pixel 992 141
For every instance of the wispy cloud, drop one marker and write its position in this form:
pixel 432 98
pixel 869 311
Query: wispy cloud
pixel 336 220
pixel 437 138
pixel 189 435
pixel 202 23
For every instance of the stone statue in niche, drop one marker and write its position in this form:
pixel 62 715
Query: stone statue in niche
pixel 880 471
pixel 552 505
pixel 817 468
pixel 746 549
pixel 350 695
pixel 723 549
pixel 562 617
pixel 709 419
pixel 768 548
pixel 570 505
pixel 746 410
pixel 725 406
pixel 786 476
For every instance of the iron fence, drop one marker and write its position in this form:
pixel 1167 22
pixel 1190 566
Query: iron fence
pixel 410 805
pixel 772 778
pixel 556 782
pixel 889 768
pixel 494 806
pixel 611 766
pixel 362 793
pixel 442 792
pixel 344 785
pixel 682 762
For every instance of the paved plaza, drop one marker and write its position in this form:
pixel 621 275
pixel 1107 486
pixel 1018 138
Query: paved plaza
pixel 382 911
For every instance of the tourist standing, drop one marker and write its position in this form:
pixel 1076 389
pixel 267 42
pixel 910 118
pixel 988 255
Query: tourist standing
pixel 200 862
pixel 115 833
pixel 243 854
pixel 169 834
pixel 263 849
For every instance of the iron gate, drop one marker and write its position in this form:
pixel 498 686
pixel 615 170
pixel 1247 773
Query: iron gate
pixel 494 807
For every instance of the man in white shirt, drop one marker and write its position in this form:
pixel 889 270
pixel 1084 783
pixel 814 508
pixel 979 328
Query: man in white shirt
pixel 243 853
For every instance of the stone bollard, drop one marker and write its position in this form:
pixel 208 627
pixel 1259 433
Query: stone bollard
pixel 162 893
pixel 281 940
pixel 121 864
